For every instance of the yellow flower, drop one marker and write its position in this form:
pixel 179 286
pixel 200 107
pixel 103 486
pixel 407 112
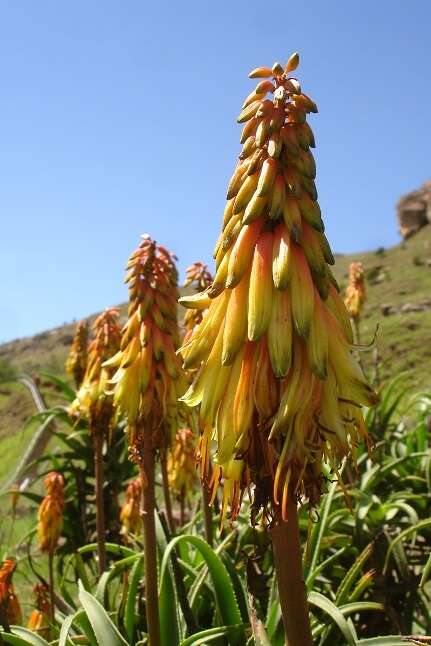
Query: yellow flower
pixel 182 464
pixel 9 603
pixel 149 377
pixel 92 399
pixel 76 362
pixel 279 389
pixel 355 292
pixel 50 514
pixel 130 513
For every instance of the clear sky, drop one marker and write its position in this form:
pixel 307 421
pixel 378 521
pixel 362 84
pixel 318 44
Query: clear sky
pixel 118 118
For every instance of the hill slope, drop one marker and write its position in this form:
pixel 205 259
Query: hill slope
pixel 398 281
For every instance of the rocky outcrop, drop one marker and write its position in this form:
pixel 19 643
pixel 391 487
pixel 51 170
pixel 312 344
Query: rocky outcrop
pixel 414 210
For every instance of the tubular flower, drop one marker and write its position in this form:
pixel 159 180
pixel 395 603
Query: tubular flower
pixel 182 464
pixel 76 362
pixel 200 278
pixel 50 514
pixel 39 619
pixel 130 514
pixel 92 400
pixel 149 377
pixel 355 292
pixel 9 603
pixel 279 388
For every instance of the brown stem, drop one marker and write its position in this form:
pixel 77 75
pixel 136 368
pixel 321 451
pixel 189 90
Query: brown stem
pixel 356 330
pixel 182 506
pixel 167 493
pixel 51 586
pixel 207 514
pixel 100 510
pixel 357 338
pixel 291 587
pixel 147 468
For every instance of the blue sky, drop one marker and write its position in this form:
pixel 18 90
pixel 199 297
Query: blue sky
pixel 118 118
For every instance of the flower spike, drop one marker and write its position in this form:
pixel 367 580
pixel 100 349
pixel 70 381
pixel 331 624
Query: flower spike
pixel 278 385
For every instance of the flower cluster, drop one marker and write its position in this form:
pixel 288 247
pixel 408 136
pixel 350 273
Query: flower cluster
pixel 9 604
pixel 39 619
pixel 182 464
pixel 278 386
pixel 76 362
pixel 355 292
pixel 149 377
pixel 130 513
pixel 50 513
pixel 92 400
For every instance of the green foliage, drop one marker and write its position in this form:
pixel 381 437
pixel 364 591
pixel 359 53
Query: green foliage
pixel 367 560
pixel 7 372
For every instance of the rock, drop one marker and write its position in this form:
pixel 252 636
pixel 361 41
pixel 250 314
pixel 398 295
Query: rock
pixel 414 210
pixel 411 325
pixel 387 309
pixel 413 307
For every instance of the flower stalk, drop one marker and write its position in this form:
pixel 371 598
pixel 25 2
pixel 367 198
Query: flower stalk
pixel 95 404
pixel 50 524
pixel 147 384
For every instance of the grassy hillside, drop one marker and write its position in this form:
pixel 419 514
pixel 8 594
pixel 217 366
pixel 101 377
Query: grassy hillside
pixel 398 278
pixel 398 282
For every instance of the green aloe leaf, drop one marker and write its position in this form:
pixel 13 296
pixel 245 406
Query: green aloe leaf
pixel 105 630
pixel 212 634
pixel 65 629
pixel 224 591
pixel 129 613
pixel 23 637
pixel 388 640
pixel 423 524
pixel 318 600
